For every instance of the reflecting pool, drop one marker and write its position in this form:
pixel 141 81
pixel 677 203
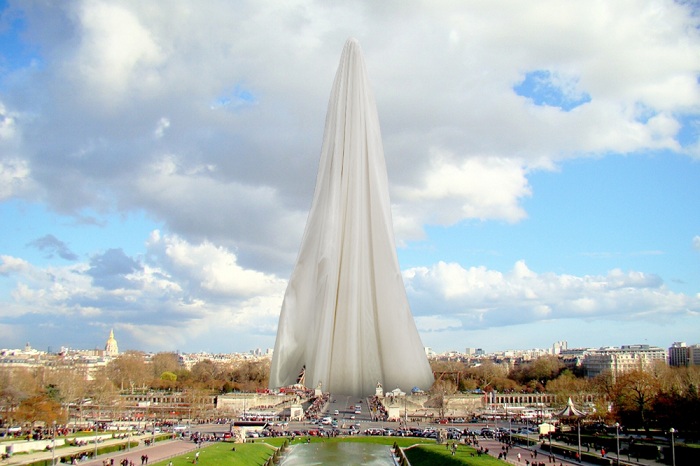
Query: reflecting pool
pixel 341 453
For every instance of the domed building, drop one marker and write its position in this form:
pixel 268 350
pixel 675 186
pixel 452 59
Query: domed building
pixel 111 348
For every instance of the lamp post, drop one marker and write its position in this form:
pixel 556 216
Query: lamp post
pixel 527 432
pixel 617 441
pixel 578 431
pixel 53 445
pixel 673 447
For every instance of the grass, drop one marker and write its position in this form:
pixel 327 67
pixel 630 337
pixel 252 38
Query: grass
pixel 430 455
pixel 424 453
pixel 246 454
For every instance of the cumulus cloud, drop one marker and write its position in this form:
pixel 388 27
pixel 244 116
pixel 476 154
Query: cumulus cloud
pixel 182 289
pixel 454 189
pixel 482 298
pixel 211 269
pixel 113 269
pixel 11 264
pixel 125 65
pixel 210 120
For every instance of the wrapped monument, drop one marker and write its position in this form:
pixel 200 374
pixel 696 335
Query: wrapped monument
pixel 345 318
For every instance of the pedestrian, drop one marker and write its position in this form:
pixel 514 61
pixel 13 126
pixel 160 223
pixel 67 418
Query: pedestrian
pixel 518 457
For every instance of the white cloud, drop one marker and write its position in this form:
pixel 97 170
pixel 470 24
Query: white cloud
pixel 443 75
pixel 9 264
pixel 486 299
pixel 454 189
pixel 162 125
pixel 116 113
pixel 212 268
pixel 696 242
pixel 117 52
pixel 189 289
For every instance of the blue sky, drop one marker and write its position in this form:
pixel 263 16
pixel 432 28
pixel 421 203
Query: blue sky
pixel 157 166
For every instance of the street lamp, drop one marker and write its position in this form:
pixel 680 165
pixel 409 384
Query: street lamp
pixel 53 445
pixel 527 432
pixel 617 440
pixel 578 430
pixel 673 447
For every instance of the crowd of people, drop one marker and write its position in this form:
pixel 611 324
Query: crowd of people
pixel 377 408
pixel 317 406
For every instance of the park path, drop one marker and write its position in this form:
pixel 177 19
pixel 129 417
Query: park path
pixel 158 452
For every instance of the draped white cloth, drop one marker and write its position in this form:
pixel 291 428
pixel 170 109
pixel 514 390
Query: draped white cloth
pixel 345 314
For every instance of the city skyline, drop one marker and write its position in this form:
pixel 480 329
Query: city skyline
pixel 157 166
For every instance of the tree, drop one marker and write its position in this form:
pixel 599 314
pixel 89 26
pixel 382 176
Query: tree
pixel 129 371
pixel 541 370
pixel 103 394
pixel 165 362
pixel 633 395
pixel 40 408
pixel 567 385
pixel 438 391
pixel 15 387
pixel 204 374
pixel 487 372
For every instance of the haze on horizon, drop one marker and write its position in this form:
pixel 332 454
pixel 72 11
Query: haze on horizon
pixel 157 166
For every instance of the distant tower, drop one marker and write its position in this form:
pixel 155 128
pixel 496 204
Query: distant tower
pixel 111 348
pixel 345 315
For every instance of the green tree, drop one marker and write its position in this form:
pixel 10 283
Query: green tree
pixel 169 376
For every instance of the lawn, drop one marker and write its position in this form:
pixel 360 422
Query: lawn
pixel 425 453
pixel 221 453
pixel 430 455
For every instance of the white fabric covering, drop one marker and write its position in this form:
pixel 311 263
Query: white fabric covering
pixel 345 314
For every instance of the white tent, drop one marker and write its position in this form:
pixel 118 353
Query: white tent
pixel 345 315
pixel 570 410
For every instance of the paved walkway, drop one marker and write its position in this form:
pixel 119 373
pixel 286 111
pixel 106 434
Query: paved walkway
pixel 157 452
pixel 494 447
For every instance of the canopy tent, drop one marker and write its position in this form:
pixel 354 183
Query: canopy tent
pixel 345 314
pixel 570 410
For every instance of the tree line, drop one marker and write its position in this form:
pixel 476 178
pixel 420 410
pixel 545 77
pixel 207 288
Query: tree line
pixel 660 397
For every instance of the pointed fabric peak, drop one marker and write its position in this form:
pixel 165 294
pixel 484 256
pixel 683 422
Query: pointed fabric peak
pixel 345 315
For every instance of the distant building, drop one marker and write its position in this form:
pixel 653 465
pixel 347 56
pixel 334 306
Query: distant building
pixel 111 347
pixel 617 361
pixel 694 355
pixel 682 355
pixel 559 346
pixel 678 354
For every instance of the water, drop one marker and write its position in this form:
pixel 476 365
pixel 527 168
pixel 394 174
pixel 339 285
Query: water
pixel 339 453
